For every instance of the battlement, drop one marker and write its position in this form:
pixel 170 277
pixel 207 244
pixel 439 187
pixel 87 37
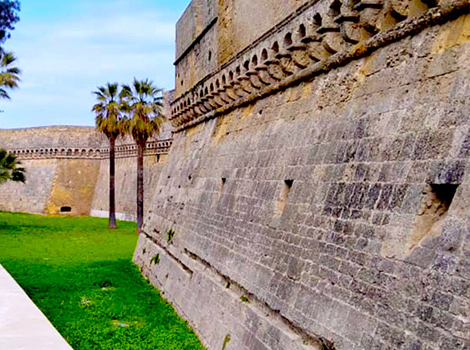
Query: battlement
pixel 51 137
pixel 317 37
pixel 68 167
pixel 122 151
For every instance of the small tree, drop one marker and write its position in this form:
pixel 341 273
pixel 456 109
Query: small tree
pixel 143 103
pixel 8 17
pixel 110 122
pixel 10 168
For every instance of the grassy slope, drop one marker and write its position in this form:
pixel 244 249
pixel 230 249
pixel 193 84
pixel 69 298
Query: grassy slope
pixel 81 276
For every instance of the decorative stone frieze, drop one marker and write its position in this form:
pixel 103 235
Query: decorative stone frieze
pixel 320 37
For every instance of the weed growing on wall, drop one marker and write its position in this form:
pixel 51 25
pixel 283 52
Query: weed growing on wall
pixel 170 234
pixel 226 341
pixel 244 299
pixel 155 260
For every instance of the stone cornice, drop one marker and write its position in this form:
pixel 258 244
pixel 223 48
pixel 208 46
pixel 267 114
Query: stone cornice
pixel 327 35
pixel 122 151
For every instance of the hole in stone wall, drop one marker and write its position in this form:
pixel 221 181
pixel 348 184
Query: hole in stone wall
pixel 437 200
pixel 66 209
pixel 276 47
pixel 431 3
pixel 288 39
pixel 264 55
pixel 335 8
pixel 435 204
pixel 222 186
pixel 246 65
pixel 317 20
pixel 283 197
pixel 431 216
pixel 210 56
pixel 302 31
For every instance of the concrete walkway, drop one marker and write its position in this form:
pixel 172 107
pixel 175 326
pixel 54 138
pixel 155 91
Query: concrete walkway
pixel 22 325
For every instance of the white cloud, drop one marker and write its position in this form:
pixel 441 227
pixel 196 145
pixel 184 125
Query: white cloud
pixel 65 60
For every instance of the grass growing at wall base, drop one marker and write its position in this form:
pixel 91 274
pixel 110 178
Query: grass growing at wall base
pixel 81 276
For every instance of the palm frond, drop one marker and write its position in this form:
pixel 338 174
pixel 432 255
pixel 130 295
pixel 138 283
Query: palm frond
pixel 110 118
pixel 9 74
pixel 143 103
pixel 10 168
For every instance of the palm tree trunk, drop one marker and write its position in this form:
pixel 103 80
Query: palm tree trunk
pixel 112 187
pixel 140 185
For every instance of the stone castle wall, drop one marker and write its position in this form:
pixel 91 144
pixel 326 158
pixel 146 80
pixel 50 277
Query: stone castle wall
pixel 210 33
pixel 33 197
pixel 316 193
pixel 62 165
pixel 67 171
pixel 126 184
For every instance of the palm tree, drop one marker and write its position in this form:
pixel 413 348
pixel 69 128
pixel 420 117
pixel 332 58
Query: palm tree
pixel 9 168
pixel 144 106
pixel 110 121
pixel 9 73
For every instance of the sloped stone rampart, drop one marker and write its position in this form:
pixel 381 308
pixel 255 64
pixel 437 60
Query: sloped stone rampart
pixel 333 210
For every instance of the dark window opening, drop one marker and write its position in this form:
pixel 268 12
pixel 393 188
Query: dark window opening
pixel 65 209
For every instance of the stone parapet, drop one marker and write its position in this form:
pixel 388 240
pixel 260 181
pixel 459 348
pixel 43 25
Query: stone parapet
pixel 318 37
pixel 122 151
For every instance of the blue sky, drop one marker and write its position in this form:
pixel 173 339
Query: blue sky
pixel 67 48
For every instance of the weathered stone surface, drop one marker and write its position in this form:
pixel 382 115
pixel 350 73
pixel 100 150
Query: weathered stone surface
pixel 126 185
pixel 68 167
pixel 307 198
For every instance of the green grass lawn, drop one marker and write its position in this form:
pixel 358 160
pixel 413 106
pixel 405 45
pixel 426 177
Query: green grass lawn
pixel 81 276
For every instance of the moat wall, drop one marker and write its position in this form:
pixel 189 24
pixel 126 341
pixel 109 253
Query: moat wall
pixel 126 185
pixel 330 211
pixel 62 166
pixel 68 168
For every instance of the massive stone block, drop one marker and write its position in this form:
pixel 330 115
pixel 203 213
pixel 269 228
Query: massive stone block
pixel 326 207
